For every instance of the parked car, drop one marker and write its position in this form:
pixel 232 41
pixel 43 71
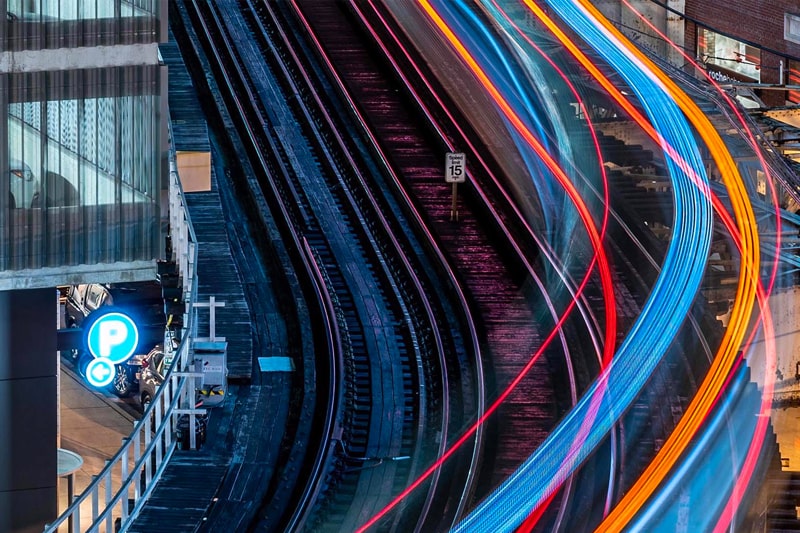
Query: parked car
pixel 145 301
pixel 125 382
pixel 24 188
pixel 151 375
pixel 153 369
pixel 82 300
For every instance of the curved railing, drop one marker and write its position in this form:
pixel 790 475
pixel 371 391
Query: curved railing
pixel 121 489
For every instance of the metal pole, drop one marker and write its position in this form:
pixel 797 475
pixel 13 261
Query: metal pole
pixel 70 493
pixel 454 208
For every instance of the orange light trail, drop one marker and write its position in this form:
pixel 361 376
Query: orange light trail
pixel 747 240
pixel 749 261
pixel 766 315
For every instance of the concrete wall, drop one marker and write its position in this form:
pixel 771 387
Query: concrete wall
pixel 786 321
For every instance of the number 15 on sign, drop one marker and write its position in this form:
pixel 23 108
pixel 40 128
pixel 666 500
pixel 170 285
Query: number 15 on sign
pixel 455 172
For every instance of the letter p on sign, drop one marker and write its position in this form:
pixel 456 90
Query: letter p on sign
pixel 112 333
pixel 113 336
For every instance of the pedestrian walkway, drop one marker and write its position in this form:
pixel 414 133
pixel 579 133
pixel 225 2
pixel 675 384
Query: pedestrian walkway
pixel 217 273
pixel 93 426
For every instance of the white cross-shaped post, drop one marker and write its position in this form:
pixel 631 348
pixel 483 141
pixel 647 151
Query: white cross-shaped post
pixel 212 320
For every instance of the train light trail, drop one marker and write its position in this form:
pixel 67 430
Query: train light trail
pixel 746 292
pixel 671 297
pixel 620 98
pixel 763 294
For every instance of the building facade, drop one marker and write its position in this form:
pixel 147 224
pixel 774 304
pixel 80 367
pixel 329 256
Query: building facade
pixel 83 173
pixel 749 42
pixel 82 94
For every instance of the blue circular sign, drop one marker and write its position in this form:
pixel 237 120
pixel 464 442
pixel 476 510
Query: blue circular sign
pixel 100 372
pixel 113 336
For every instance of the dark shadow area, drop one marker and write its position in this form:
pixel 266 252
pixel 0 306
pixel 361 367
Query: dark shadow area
pixel 57 191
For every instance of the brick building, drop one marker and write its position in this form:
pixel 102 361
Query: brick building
pixel 750 41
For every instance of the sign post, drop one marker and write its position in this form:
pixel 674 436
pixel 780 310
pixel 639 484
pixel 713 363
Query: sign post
pixel 211 358
pixel 455 172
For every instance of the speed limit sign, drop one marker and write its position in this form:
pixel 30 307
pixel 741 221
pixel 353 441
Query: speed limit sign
pixel 455 167
pixel 455 172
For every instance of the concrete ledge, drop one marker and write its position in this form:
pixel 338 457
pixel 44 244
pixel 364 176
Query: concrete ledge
pixel 38 278
pixel 82 58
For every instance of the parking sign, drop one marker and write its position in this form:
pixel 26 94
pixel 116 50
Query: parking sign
pixel 112 336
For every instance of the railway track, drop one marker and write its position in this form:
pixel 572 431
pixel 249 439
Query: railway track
pixel 397 349
pixel 491 272
pixel 494 263
pixel 494 268
pixel 437 382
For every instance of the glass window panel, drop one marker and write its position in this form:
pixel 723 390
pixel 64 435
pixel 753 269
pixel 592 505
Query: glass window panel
pixel 793 78
pixel 87 9
pixel 88 129
pixel 791 27
pixel 40 24
pixel 87 172
pixel 725 55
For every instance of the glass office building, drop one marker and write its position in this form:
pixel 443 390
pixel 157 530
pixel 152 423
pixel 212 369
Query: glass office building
pixel 83 97
pixel 83 173
pixel 53 24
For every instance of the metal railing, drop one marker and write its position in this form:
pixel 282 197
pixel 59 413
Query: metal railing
pixel 119 492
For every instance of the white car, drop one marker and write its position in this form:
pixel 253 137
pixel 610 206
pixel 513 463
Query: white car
pixel 23 186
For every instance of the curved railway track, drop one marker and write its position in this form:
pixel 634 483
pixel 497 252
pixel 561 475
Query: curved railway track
pixel 383 423
pixel 485 245
pixel 394 390
pixel 384 114
pixel 377 99
pixel 491 265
